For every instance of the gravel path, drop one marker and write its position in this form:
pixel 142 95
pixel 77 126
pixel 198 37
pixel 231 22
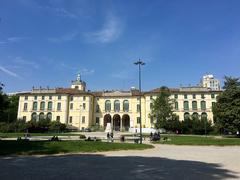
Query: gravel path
pixel 162 162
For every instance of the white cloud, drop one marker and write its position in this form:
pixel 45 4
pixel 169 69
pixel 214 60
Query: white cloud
pixel 16 39
pixel 22 61
pixel 87 71
pixel 110 31
pixel 13 40
pixel 64 38
pixel 64 13
pixel 60 12
pixel 82 71
pixel 5 70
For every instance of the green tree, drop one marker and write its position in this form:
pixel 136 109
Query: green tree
pixel 4 104
pixel 12 109
pixel 162 109
pixel 227 109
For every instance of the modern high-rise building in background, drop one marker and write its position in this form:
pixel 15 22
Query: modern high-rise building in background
pixel 208 81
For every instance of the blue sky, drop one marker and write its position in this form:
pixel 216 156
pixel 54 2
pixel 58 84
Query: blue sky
pixel 45 43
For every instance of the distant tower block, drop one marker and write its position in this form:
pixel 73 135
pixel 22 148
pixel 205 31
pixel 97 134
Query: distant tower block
pixel 209 81
pixel 79 84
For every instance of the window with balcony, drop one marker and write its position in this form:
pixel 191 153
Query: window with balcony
pixel 194 105
pixel 42 105
pixel 107 105
pixel 34 106
pixel 203 105
pixel 50 105
pixel 125 106
pixel 185 105
pixel 116 105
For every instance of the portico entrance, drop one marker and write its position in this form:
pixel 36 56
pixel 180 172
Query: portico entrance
pixel 116 122
pixel 107 119
pixel 125 122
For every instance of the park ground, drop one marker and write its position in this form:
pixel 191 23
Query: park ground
pixel 162 162
pixel 203 157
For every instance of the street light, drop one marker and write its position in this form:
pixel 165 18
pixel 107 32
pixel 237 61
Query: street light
pixel 140 63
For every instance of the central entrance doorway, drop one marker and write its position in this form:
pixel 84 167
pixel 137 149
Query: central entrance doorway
pixel 125 122
pixel 116 122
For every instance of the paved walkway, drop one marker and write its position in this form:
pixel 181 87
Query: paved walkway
pixel 162 162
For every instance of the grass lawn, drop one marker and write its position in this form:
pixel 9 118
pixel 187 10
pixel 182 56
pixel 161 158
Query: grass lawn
pixel 198 140
pixel 55 147
pixel 13 135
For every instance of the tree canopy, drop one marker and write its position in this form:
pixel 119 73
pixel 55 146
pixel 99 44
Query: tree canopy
pixel 227 109
pixel 8 106
pixel 162 109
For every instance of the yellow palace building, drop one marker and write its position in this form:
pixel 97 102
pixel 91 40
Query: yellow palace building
pixel 82 109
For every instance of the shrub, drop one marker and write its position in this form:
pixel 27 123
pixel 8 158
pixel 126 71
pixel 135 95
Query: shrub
pixel 81 136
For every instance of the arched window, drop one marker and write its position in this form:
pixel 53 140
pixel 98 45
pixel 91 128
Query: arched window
pixel 125 106
pixel 185 105
pixel 41 116
pixel 203 105
pixel 116 105
pixel 194 105
pixel 35 106
pixel 42 106
pixel 49 116
pixel 50 105
pixel 107 106
pixel 186 116
pixel 34 116
pixel 204 116
pixel 195 116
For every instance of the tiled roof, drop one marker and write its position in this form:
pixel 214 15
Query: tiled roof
pixel 71 91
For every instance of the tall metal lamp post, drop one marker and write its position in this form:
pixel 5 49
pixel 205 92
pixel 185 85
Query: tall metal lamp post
pixel 140 63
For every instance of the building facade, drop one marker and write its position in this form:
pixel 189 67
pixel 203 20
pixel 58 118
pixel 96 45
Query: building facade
pixel 82 109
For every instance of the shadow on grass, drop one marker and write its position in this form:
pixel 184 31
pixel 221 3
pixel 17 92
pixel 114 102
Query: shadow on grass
pixel 55 147
pixel 88 166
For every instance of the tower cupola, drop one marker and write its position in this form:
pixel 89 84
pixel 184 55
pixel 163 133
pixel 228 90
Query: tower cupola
pixel 78 83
